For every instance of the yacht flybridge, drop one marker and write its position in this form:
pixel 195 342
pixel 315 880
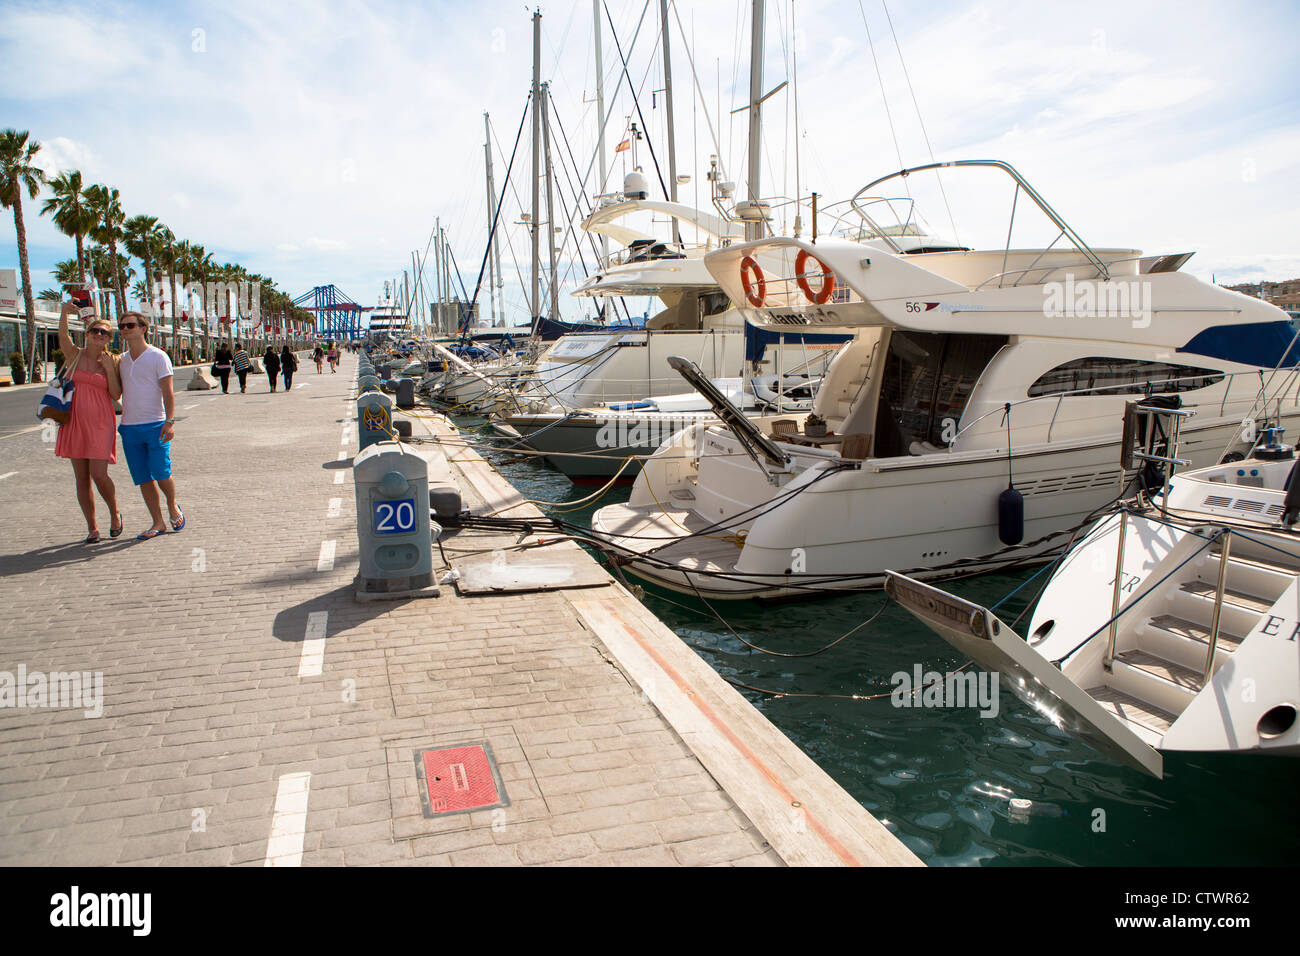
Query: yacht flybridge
pixel 969 370
pixel 1170 626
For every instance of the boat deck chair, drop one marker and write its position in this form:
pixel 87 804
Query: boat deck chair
pixel 855 447
pixel 785 426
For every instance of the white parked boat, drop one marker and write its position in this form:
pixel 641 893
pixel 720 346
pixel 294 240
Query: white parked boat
pixel 955 350
pixel 1170 626
pixel 594 444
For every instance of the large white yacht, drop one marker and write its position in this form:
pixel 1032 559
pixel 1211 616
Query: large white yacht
pixel 1170 626
pixel 969 369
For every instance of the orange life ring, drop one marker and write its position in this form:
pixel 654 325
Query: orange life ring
pixel 828 278
pixel 755 291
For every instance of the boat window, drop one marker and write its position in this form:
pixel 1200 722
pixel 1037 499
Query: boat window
pixel 928 380
pixel 713 303
pixel 1117 376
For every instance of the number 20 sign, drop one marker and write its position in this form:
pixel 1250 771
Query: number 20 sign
pixel 395 517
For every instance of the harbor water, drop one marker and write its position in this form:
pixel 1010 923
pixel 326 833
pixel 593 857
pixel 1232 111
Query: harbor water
pixel 960 789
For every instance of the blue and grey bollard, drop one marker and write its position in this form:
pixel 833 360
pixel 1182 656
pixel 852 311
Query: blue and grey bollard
pixel 406 393
pixel 374 419
pixel 395 549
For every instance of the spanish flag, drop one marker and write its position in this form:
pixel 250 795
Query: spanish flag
pixel 626 144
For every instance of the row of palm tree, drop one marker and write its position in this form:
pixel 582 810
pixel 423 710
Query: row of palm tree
pixel 95 212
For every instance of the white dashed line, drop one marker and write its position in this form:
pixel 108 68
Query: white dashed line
pixel 313 645
pixel 335 505
pixel 326 560
pixel 23 431
pixel 338 477
pixel 188 407
pixel 289 822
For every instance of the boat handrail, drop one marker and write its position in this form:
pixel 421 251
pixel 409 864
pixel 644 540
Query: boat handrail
pixel 1137 600
pixel 1049 269
pixel 1147 516
pixel 1021 184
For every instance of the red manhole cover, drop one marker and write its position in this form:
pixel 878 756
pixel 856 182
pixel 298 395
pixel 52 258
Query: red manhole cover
pixel 458 779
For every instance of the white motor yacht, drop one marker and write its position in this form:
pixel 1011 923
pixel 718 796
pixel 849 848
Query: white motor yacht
pixel 970 370
pixel 1170 626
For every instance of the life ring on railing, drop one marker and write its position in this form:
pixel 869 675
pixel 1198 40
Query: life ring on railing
pixel 828 278
pixel 755 290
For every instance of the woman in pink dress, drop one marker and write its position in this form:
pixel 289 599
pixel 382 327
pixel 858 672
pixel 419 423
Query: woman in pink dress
pixel 89 437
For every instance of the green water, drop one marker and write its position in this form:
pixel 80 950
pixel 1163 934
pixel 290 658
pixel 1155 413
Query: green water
pixel 942 778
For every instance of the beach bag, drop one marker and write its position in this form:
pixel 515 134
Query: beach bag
pixel 56 403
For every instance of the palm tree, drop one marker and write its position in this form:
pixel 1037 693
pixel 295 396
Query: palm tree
pixel 18 173
pixel 138 233
pixel 71 214
pixel 68 274
pixel 203 264
pixel 162 244
pixel 107 206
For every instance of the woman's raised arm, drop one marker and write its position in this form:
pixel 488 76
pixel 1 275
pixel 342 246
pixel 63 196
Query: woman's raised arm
pixel 66 345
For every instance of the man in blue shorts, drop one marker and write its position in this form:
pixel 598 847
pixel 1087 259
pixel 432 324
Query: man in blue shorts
pixel 148 407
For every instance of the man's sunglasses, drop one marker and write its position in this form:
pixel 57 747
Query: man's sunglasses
pixel 128 325
pixel 101 332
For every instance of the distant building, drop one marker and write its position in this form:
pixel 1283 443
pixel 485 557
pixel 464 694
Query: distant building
pixel 1284 295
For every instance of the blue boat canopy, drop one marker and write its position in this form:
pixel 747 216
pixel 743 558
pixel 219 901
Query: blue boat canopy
pixel 1266 344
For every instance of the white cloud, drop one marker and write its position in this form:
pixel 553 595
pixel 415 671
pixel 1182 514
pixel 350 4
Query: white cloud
pixel 60 154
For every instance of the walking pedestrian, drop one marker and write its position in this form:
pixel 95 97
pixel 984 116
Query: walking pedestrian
pixel 318 355
pixel 88 438
pixel 222 365
pixel 334 358
pixel 288 365
pixel 271 360
pixel 148 425
pixel 242 364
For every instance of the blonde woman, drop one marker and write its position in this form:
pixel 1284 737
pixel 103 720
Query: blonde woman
pixel 89 438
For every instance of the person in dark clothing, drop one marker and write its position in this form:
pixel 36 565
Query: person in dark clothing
pixel 288 365
pixel 272 362
pixel 222 365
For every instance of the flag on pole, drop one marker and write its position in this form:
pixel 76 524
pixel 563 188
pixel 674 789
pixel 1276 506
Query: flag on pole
pixel 625 145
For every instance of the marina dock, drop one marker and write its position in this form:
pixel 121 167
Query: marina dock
pixel 253 712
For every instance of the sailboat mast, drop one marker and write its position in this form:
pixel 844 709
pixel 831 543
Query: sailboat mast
pixel 437 267
pixel 600 119
pixel 754 226
pixel 668 101
pixel 491 217
pixel 550 208
pixel 537 117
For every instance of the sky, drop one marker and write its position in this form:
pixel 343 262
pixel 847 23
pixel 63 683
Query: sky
pixel 319 142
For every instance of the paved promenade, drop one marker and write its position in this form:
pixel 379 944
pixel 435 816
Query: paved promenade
pixel 254 713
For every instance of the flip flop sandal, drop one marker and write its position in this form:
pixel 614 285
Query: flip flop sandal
pixel 178 525
pixel 148 535
pixel 116 532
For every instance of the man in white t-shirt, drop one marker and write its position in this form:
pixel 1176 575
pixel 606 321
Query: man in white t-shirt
pixel 148 425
